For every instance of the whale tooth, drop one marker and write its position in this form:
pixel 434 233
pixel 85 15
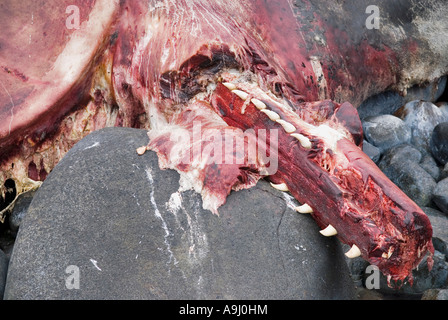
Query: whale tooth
pixel 286 125
pixel 259 104
pixel 243 95
pixel 304 141
pixel 271 114
pixel 281 186
pixel 305 208
pixel 353 252
pixel 141 151
pixel 229 85
pixel 329 231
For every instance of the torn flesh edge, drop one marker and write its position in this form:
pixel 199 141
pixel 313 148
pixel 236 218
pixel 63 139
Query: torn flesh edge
pixel 246 87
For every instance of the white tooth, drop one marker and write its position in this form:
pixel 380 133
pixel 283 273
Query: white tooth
pixel 281 186
pixel 259 104
pixel 286 125
pixel 329 231
pixel 304 209
pixel 271 114
pixel 229 85
pixel 243 95
pixel 353 252
pixel 304 141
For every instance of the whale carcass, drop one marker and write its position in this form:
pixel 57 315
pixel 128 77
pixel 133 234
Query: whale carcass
pixel 231 92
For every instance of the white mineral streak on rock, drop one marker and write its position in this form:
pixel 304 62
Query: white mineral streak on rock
pixel 172 258
pixel 291 202
pixel 197 239
pixel 95 264
pixel 96 144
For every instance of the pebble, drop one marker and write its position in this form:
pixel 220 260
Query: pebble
pixel 373 152
pixel 3 272
pixel 440 195
pixel 421 117
pixel 443 106
pixel 401 165
pixel 435 294
pixel 383 103
pixel 439 143
pixel 439 224
pixel 386 131
pixel 430 165
pixel 390 101
pixel 19 210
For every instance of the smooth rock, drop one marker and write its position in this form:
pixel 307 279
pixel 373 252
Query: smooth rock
pixel 108 224
pixel 423 278
pixel 3 272
pixel 439 223
pixel 439 143
pixel 421 117
pixel 19 210
pixel 373 152
pixel 383 103
pixel 400 153
pixel 443 107
pixel 430 165
pixel 386 131
pixel 440 195
pixel 431 91
pixel 390 101
pixel 435 294
pixel 401 165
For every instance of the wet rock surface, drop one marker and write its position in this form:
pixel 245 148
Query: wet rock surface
pixel 119 223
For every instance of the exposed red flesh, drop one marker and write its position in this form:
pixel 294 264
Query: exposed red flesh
pixel 143 62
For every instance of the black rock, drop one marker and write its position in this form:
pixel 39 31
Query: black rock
pixel 373 152
pixel 390 101
pixel 19 210
pixel 444 172
pixel 439 222
pixel 421 117
pixel 435 294
pixel 427 92
pixel 440 195
pixel 401 165
pixel 3 272
pixel 386 131
pixel 423 278
pixel 439 143
pixel 430 165
pixel 108 224
pixel 383 103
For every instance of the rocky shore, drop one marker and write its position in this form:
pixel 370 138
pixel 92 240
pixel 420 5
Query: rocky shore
pixel 108 224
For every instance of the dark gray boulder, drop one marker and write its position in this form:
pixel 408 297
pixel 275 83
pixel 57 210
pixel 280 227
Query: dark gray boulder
pixel 439 143
pixel 108 224
pixel 401 165
pixel 3 271
pixel 440 195
pixel 421 117
pixel 386 131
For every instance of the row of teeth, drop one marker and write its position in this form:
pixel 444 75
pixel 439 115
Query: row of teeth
pixel 274 116
pixel 305 142
pixel 329 231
